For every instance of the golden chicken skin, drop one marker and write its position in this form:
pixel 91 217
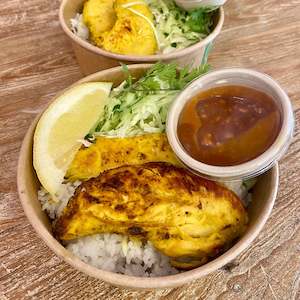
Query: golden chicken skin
pixel 132 32
pixel 108 153
pixel 188 218
pixel 123 26
pixel 99 16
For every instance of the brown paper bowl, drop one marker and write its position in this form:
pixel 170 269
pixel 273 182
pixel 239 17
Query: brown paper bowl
pixel 92 58
pixel 264 195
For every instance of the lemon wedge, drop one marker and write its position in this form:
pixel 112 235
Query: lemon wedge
pixel 67 120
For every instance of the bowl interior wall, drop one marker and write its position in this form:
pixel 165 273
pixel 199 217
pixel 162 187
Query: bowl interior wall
pixel 260 195
pixel 70 10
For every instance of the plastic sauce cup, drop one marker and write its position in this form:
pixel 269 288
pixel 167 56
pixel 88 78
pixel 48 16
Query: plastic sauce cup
pixel 242 77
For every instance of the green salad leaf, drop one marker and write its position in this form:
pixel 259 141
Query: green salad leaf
pixel 142 106
pixel 200 20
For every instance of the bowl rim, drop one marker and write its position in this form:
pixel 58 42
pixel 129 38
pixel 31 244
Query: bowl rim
pixel 119 279
pixel 143 58
pixel 248 169
pixel 191 1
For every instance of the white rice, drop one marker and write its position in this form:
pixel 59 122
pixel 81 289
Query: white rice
pixel 54 207
pixel 115 252
pixel 78 27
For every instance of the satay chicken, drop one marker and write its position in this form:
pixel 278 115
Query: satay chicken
pixel 188 218
pixel 121 26
pixel 108 153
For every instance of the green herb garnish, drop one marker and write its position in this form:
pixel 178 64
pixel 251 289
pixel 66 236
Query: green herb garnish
pixel 200 20
pixel 127 73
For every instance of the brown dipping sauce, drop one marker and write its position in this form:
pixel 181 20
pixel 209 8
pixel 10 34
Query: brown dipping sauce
pixel 229 125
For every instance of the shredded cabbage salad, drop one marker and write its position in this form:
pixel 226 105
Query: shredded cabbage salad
pixel 177 28
pixel 141 107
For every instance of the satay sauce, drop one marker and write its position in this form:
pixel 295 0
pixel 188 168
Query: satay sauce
pixel 228 125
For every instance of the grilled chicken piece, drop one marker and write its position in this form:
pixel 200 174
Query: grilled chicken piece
pixel 132 33
pixel 99 16
pixel 187 218
pixel 109 153
pixel 121 26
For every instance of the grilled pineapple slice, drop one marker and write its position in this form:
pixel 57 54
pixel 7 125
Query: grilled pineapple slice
pixel 187 218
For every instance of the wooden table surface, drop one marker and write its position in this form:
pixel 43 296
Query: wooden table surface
pixel 36 61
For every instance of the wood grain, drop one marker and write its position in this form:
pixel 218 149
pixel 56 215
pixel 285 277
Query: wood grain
pixel 36 61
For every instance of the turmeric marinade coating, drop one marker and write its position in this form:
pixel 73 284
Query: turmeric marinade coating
pixel 109 153
pixel 188 218
pixel 121 26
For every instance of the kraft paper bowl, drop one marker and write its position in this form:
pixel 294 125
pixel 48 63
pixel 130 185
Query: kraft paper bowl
pixel 92 58
pixel 264 194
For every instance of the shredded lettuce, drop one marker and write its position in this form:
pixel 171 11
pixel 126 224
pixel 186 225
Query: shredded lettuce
pixel 141 107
